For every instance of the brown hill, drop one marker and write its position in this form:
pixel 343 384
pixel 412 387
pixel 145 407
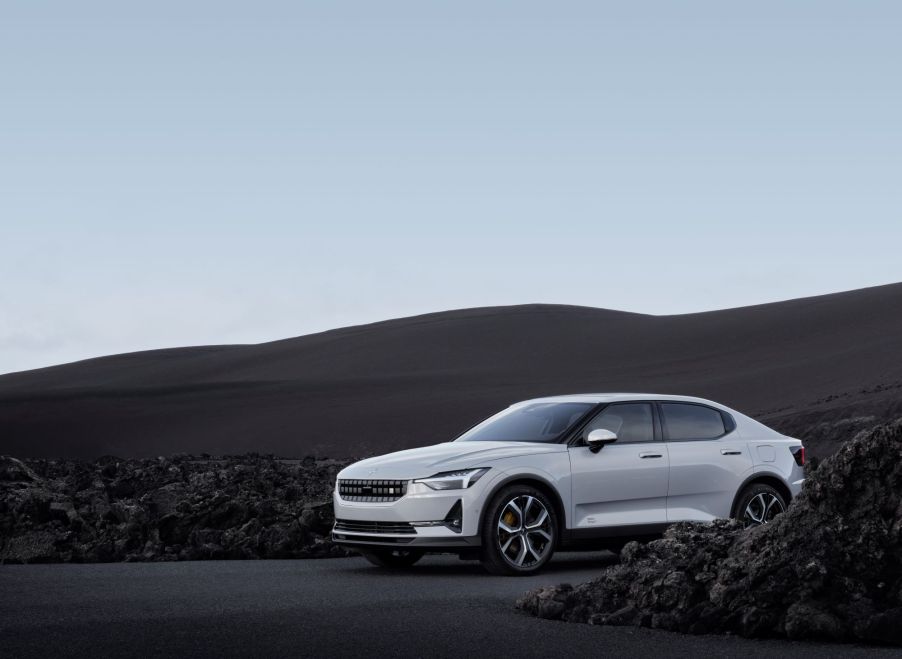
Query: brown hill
pixel 808 367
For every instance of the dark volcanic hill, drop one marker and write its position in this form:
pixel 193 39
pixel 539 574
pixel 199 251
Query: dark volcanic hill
pixel 415 381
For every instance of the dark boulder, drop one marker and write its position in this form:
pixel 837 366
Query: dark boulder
pixel 829 568
pixel 16 471
pixel 175 508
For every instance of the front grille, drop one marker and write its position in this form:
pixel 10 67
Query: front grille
pixel 358 526
pixel 369 490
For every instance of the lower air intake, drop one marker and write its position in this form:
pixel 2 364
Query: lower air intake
pixel 358 526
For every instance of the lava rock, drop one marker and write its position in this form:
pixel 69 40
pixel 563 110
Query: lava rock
pixel 170 508
pixel 15 471
pixel 829 568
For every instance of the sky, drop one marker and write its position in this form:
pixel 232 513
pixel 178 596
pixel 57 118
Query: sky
pixel 186 173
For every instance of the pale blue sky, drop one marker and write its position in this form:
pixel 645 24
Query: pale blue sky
pixel 177 173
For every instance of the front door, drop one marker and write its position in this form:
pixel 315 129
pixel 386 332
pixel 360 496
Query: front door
pixel 625 483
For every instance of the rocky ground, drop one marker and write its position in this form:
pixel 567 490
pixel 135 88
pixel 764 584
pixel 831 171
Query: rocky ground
pixel 167 509
pixel 829 568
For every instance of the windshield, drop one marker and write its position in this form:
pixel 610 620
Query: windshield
pixel 538 422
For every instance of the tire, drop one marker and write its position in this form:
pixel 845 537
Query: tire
pixel 393 559
pixel 759 504
pixel 509 546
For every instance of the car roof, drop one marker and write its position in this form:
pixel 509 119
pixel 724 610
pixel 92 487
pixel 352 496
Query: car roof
pixel 618 397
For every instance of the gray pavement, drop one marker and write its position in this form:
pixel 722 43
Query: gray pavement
pixel 340 607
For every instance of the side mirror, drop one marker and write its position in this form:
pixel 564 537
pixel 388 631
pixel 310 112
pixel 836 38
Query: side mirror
pixel 600 438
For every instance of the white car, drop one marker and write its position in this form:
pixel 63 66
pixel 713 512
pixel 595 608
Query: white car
pixel 592 470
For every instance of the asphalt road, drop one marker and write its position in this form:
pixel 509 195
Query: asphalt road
pixel 340 607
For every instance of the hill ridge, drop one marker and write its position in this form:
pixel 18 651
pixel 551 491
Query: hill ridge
pixel 420 379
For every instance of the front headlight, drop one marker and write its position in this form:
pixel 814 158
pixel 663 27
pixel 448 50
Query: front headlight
pixel 453 480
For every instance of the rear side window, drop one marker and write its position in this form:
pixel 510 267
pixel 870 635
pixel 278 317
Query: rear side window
pixel 684 421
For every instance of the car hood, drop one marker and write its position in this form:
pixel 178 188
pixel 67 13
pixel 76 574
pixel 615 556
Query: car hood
pixel 429 460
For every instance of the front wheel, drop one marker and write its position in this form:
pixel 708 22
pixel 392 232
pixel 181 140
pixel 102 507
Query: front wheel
pixel 518 531
pixel 759 504
pixel 395 559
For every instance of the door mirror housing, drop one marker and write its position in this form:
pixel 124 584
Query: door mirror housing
pixel 599 438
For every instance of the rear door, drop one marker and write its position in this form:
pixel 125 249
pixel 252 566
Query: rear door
pixel 708 461
pixel 625 483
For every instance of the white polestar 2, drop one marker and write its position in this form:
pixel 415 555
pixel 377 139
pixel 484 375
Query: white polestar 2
pixel 579 471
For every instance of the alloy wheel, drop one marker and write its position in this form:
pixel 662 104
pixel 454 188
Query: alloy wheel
pixel 762 509
pixel 525 532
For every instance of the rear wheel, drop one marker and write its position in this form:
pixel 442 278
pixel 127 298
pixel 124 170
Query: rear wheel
pixel 518 531
pixel 395 559
pixel 759 504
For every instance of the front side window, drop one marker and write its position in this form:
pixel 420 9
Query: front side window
pixel 692 421
pixel 536 422
pixel 631 422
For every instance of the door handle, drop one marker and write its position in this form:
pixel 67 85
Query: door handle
pixel 646 454
pixel 726 451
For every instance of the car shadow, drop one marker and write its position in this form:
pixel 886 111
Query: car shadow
pixel 566 563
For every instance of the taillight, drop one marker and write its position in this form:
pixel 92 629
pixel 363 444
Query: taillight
pixel 798 452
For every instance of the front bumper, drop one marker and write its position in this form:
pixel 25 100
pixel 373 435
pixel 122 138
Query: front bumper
pixel 419 504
